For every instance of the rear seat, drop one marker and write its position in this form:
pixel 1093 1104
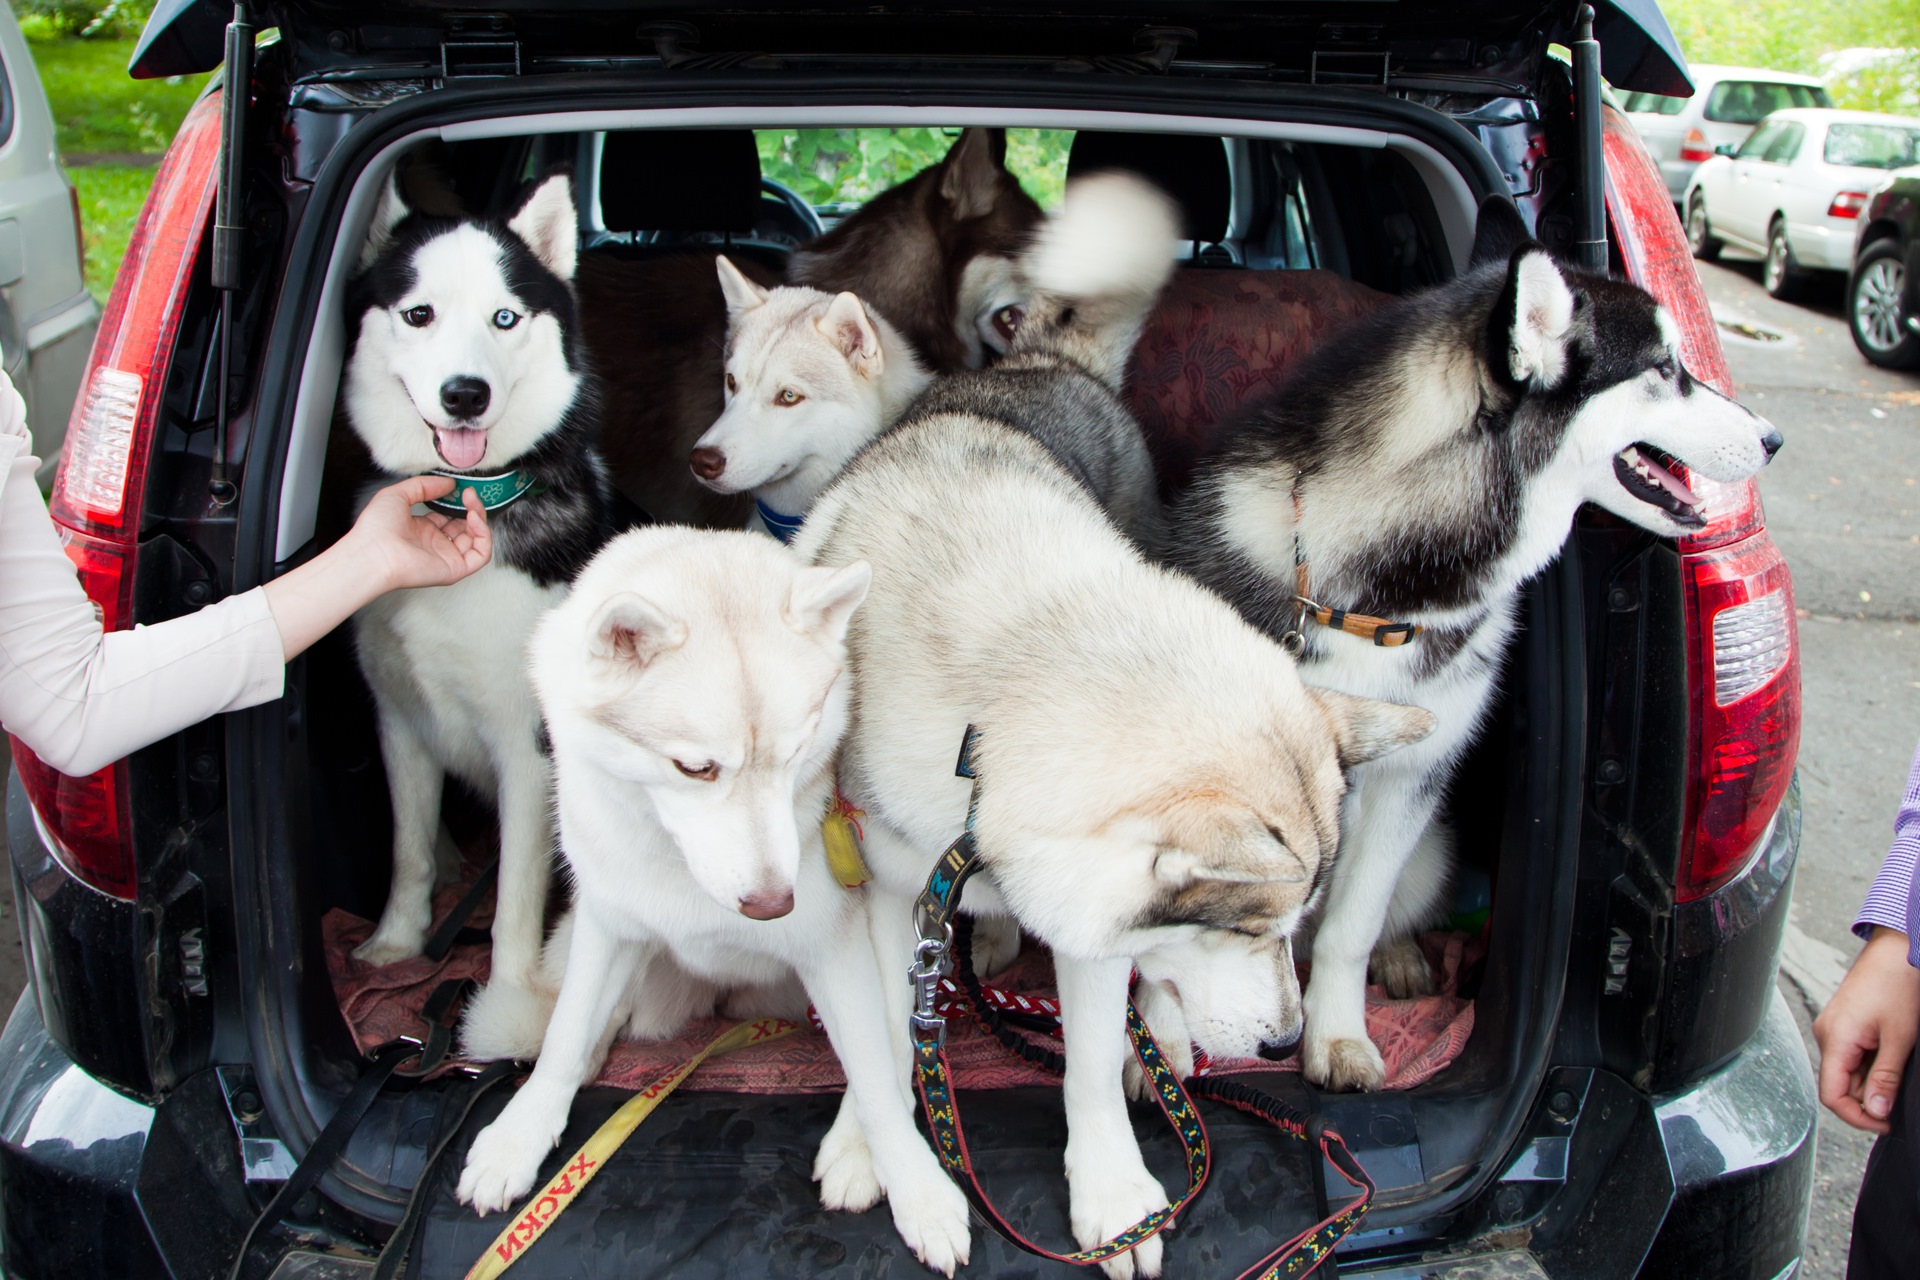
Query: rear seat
pixel 1192 168
pixel 1220 339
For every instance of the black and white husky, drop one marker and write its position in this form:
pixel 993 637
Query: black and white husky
pixel 1421 468
pixel 465 363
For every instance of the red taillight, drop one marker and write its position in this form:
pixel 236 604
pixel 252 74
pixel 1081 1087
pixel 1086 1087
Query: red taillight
pixel 1743 671
pixel 97 490
pixel 1847 204
pixel 1743 645
pixel 1695 147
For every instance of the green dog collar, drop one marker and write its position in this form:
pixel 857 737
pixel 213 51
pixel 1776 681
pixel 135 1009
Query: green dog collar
pixel 495 492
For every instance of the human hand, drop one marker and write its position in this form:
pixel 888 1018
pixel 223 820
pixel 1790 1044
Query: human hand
pixel 431 550
pixel 1867 1032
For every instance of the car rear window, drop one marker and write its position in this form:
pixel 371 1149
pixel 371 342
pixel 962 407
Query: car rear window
pixel 1750 101
pixel 1873 146
pixel 1653 104
pixel 838 170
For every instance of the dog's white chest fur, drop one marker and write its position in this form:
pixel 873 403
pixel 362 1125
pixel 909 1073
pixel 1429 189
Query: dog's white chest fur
pixel 453 661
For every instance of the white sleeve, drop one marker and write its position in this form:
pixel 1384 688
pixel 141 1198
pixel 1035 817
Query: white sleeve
pixel 83 699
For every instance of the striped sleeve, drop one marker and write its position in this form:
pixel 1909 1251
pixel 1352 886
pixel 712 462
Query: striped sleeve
pixel 1892 901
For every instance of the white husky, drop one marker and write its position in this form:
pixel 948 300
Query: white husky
pixel 694 688
pixel 464 362
pixel 811 377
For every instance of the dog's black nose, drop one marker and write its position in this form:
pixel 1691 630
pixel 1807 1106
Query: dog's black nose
pixel 1771 442
pixel 707 462
pixel 465 397
pixel 1280 1050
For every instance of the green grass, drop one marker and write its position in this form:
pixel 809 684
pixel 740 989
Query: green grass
pixel 110 200
pixel 101 111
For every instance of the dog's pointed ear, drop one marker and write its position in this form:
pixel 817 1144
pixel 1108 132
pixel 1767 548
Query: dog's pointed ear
pixel 1498 231
pixel 632 632
pixel 852 332
pixel 1535 318
pixel 548 222
pixel 970 175
pixel 1180 868
pixel 823 600
pixel 741 293
pixel 389 211
pixel 1365 729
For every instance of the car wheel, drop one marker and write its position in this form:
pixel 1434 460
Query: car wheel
pixel 1705 245
pixel 1781 276
pixel 1876 311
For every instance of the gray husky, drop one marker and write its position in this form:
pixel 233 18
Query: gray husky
pixel 1416 472
pixel 1152 769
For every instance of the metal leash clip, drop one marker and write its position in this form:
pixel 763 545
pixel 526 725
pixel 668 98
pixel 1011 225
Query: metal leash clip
pixel 932 960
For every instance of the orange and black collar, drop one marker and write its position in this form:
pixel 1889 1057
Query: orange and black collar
pixel 1382 632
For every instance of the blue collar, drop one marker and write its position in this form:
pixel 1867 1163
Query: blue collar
pixel 781 527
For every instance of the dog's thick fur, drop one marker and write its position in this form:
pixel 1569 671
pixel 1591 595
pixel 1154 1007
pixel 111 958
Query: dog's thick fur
pixel 811 378
pixel 1151 767
pixel 1437 451
pixel 694 685
pixel 933 255
pixel 445 663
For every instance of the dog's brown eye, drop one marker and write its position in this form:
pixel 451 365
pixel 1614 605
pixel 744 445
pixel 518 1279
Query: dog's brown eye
pixel 1007 320
pixel 704 772
pixel 788 397
pixel 733 385
pixel 419 317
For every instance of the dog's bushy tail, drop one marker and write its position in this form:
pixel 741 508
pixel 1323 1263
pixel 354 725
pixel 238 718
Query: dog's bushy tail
pixel 1095 269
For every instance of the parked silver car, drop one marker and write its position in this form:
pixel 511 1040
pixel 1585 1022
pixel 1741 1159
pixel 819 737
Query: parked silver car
pixel 1727 103
pixel 47 317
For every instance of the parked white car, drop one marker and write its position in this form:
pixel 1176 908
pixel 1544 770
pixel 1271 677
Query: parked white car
pixel 1793 191
pixel 1727 103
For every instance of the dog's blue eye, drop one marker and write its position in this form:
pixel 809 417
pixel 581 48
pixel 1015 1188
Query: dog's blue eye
pixel 505 319
pixel 419 317
pixel 1666 369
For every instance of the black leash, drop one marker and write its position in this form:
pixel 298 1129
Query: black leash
pixel 1298 1256
pixel 453 930
pixel 400 1243
pixel 384 1064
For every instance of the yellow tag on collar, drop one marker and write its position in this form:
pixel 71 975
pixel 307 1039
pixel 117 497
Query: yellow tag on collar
pixel 840 830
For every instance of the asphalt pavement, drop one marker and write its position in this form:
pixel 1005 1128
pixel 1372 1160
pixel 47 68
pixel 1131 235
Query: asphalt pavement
pixel 1843 501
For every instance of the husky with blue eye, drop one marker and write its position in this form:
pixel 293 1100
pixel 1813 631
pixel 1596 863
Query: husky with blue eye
pixel 465 362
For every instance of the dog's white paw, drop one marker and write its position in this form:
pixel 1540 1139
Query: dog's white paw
pixel 1344 1064
pixel 390 946
pixel 501 1166
pixel 1401 967
pixel 996 944
pixel 931 1216
pixel 1105 1200
pixel 844 1170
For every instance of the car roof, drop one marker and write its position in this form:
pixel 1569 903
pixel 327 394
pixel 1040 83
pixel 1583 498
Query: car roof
pixel 1706 74
pixel 1837 115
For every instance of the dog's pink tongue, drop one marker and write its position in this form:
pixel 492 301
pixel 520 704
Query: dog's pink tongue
pixel 460 447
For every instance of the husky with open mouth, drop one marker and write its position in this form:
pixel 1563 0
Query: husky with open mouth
pixel 1415 473
pixel 465 362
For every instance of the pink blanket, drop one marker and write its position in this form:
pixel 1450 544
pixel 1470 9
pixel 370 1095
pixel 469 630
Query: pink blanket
pixel 1418 1038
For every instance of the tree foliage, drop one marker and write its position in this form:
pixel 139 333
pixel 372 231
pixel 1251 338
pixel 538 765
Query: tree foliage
pixel 1795 35
pixel 851 166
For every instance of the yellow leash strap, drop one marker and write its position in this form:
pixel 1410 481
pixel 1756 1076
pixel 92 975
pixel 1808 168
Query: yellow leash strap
pixel 553 1199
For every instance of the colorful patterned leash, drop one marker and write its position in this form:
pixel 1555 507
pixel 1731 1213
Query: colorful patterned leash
pixel 933 1078
pixel 564 1188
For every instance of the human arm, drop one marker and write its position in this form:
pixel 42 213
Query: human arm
pixel 81 698
pixel 388 549
pixel 1868 1029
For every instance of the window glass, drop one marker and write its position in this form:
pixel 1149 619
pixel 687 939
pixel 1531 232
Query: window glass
pixel 1654 104
pixel 842 169
pixel 1787 145
pixel 1872 146
pixel 1749 101
pixel 1755 147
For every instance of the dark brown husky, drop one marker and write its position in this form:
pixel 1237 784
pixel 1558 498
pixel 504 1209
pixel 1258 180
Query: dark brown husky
pixel 933 255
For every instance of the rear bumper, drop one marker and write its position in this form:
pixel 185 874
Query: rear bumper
pixel 1824 245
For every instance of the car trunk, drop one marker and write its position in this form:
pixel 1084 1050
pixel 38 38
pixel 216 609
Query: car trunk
pixel 1390 187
